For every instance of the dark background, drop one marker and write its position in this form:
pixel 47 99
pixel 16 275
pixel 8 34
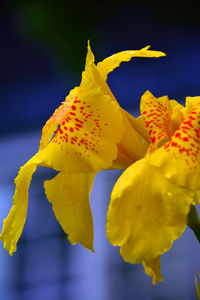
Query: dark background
pixel 43 48
pixel 42 54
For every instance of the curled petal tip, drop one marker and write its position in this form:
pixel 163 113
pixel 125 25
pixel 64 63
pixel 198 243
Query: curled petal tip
pixel 147 47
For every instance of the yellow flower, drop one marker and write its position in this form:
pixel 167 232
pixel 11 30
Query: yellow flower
pixel 151 200
pixel 88 133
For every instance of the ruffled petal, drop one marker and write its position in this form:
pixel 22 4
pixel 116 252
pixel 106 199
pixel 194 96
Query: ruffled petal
pixel 152 269
pixel 144 217
pixel 14 223
pixel 110 63
pixel 156 113
pixel 69 195
pixel 179 159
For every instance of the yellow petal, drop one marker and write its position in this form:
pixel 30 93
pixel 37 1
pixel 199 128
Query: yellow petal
pixel 178 160
pixel 191 101
pixel 69 195
pixel 146 213
pixel 132 146
pixel 56 119
pixel 139 126
pixel 110 63
pixel 176 118
pixel 88 136
pixel 14 223
pixel 174 104
pixel 196 199
pixel 152 269
pixel 156 113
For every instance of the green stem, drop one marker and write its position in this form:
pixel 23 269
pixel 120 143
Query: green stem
pixel 194 221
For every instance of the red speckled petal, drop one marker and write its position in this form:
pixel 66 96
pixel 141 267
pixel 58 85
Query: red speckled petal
pixel 90 131
pixel 50 128
pixel 179 159
pixel 156 113
pixel 190 102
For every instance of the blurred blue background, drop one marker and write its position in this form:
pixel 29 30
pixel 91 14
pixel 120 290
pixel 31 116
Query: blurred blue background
pixel 42 54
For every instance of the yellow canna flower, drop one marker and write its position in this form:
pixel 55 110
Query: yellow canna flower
pixel 151 201
pixel 88 133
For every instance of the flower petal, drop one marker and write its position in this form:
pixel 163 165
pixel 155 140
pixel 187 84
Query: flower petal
pixel 144 217
pixel 69 195
pixel 56 119
pixel 156 113
pixel 130 148
pixel 191 101
pixel 110 63
pixel 14 223
pixel 139 125
pixel 178 160
pixel 152 269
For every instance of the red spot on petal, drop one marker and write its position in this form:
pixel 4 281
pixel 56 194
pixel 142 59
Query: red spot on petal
pixel 178 134
pixel 185 139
